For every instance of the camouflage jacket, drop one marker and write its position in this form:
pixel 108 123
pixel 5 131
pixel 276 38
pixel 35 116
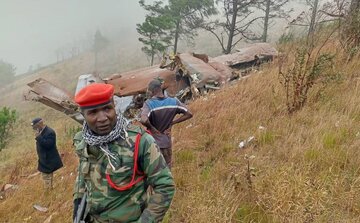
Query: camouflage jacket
pixel 105 204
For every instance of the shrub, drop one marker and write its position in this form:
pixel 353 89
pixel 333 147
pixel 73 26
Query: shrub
pixel 7 121
pixel 308 69
pixel 286 38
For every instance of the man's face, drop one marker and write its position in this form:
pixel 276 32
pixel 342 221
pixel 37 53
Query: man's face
pixel 101 120
pixel 37 127
pixel 149 93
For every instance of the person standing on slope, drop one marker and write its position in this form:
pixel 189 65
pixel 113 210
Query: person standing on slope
pixel 49 159
pixel 117 164
pixel 158 115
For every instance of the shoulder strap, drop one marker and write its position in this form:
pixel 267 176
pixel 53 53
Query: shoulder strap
pixel 136 171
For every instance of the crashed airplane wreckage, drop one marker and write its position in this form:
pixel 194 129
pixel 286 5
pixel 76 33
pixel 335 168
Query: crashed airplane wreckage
pixel 185 76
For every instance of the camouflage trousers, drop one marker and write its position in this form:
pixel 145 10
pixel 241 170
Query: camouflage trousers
pixel 92 219
pixel 48 180
pixel 167 154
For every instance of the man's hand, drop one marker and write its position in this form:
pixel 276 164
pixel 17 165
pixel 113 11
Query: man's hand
pixel 154 130
pixel 168 131
pixel 37 133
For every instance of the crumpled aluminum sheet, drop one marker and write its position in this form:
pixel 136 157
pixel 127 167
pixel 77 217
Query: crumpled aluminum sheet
pixel 205 72
pixel 247 54
pixel 52 92
pixel 136 81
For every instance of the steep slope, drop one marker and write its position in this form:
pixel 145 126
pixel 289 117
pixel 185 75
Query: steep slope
pixel 299 168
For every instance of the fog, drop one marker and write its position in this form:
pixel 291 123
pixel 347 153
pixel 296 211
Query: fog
pixel 32 30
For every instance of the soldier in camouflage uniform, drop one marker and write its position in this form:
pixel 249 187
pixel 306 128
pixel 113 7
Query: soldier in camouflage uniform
pixel 113 171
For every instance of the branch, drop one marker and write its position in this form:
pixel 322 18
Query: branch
pixel 297 24
pixel 221 41
pixel 329 20
pixel 246 26
pixel 332 15
pixel 233 45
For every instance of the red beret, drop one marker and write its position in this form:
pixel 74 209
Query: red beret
pixel 94 95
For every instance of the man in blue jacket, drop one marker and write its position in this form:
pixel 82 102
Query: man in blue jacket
pixel 49 158
pixel 159 115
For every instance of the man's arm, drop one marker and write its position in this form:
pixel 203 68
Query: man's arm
pixel 182 109
pixel 185 116
pixel 159 177
pixel 47 140
pixel 145 120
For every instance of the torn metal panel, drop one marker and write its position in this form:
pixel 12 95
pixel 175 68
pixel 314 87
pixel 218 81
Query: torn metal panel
pixel 54 97
pixel 203 71
pixel 136 82
pixel 247 55
pixel 225 71
pixel 43 87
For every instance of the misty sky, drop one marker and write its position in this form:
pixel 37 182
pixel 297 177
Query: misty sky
pixel 31 30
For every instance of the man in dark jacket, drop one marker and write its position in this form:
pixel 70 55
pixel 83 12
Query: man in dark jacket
pixel 49 158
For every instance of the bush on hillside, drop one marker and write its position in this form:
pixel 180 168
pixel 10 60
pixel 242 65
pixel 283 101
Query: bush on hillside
pixel 7 121
pixel 286 38
pixel 307 69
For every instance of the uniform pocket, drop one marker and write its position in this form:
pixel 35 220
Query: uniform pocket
pixel 84 167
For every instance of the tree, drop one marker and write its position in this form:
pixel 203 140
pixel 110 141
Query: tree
pixel 313 18
pixel 7 73
pixel 346 13
pixel 185 15
pixel 272 9
pixel 314 4
pixel 100 42
pixel 155 38
pixel 352 30
pixel 239 17
pixel 7 121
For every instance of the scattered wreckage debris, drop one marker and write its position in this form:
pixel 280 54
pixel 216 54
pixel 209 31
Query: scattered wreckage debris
pixel 6 188
pixel 47 93
pixel 245 143
pixel 247 58
pixel 252 55
pixel 184 75
pixel 40 208
pixel 251 140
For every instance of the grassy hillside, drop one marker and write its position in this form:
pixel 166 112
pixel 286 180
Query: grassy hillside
pixel 302 167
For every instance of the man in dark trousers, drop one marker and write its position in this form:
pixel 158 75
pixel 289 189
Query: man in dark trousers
pixel 49 158
pixel 158 115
